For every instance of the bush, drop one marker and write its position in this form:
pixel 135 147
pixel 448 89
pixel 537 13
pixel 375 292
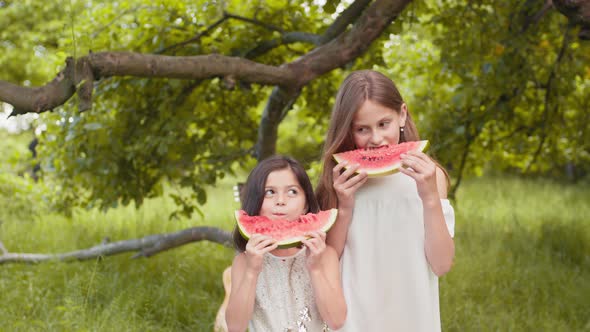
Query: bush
pixel 21 198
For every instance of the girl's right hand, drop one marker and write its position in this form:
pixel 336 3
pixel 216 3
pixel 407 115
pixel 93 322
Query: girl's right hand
pixel 347 183
pixel 257 246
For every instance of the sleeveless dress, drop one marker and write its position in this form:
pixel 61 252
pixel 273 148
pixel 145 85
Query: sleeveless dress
pixel 388 284
pixel 284 297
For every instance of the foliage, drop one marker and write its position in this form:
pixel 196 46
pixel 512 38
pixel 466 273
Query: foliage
pixel 484 79
pixel 489 86
pixel 143 133
pixel 15 157
pixel 20 197
pixel 521 265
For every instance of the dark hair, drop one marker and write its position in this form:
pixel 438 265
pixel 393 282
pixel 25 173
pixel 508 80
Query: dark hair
pixel 252 193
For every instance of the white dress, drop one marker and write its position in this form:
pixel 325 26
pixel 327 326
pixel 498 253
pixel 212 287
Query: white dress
pixel 284 297
pixel 387 281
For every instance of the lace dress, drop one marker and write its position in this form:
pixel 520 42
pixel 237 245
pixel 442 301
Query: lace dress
pixel 284 297
pixel 387 281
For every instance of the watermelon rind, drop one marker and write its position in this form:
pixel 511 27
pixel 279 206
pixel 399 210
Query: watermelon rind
pixel 293 241
pixel 386 170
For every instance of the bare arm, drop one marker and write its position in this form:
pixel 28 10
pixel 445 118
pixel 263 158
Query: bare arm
pixel 241 299
pixel 337 235
pixel 438 243
pixel 244 273
pixel 439 247
pixel 345 185
pixel 324 270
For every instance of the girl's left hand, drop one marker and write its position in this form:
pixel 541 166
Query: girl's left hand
pixel 423 170
pixel 316 246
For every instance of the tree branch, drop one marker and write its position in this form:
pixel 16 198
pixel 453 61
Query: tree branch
pixel 548 95
pixel 341 23
pixel 279 103
pixel 270 27
pixel 286 39
pixel 338 52
pixel 195 38
pixel 108 64
pixel 465 154
pixel 289 77
pixel 146 246
pixel 534 19
pixel 578 13
pixel 345 19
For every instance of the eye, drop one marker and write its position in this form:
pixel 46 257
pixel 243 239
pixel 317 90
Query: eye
pixel 361 130
pixel 384 124
pixel 293 192
pixel 269 192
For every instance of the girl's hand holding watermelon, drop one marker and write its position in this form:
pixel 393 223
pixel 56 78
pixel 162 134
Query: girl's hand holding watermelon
pixel 257 246
pixel 422 169
pixel 316 247
pixel 346 183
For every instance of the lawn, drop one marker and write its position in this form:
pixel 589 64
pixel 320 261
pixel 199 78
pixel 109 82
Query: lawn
pixel 522 264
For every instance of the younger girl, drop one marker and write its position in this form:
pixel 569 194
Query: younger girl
pixel 391 232
pixel 295 289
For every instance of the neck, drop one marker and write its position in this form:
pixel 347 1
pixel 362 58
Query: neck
pixel 286 252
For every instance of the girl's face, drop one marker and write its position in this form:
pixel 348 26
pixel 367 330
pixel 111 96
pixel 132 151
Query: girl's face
pixel 374 125
pixel 283 196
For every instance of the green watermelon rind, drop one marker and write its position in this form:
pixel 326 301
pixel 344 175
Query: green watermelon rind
pixel 290 242
pixel 388 170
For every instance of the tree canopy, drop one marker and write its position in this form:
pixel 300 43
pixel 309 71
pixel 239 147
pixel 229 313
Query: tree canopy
pixel 185 92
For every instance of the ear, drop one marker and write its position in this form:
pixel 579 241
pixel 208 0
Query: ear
pixel 403 114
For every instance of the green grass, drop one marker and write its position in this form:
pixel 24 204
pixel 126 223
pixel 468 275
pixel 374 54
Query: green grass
pixel 522 264
pixel 522 258
pixel 178 290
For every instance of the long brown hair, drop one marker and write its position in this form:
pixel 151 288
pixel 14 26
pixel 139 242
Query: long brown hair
pixel 252 194
pixel 357 88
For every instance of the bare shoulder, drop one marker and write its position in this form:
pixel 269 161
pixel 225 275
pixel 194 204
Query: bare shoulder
pixel 442 182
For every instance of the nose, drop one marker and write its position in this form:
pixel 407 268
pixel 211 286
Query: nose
pixel 376 138
pixel 280 199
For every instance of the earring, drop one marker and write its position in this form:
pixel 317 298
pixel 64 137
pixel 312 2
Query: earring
pixel 402 137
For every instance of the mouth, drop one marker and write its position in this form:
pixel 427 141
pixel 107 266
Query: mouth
pixel 375 147
pixel 279 215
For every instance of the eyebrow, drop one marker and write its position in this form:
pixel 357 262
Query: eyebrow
pixel 289 186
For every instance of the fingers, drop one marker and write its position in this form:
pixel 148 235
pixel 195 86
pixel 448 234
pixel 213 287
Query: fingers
pixel 413 162
pixel 337 169
pixel 316 242
pixel 346 175
pixel 418 162
pixel 320 235
pixel 357 181
pixel 348 178
pixel 260 244
pixel 265 243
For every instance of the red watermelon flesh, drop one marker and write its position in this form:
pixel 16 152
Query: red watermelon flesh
pixel 287 233
pixel 383 160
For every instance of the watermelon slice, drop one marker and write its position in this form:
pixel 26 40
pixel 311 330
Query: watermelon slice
pixel 380 161
pixel 287 233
